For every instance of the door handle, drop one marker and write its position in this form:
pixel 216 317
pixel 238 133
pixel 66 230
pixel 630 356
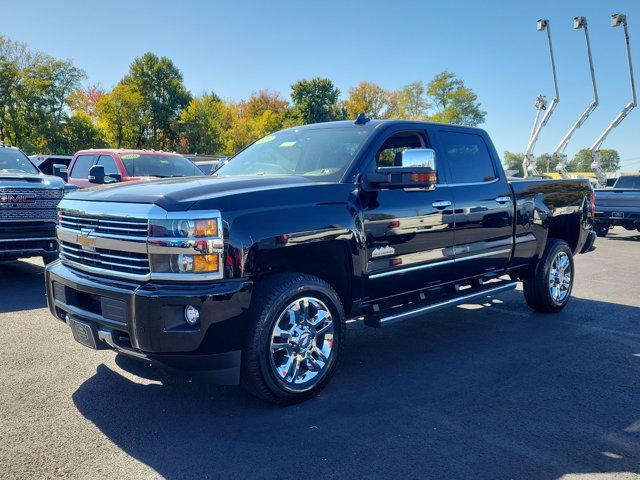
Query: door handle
pixel 503 199
pixel 441 204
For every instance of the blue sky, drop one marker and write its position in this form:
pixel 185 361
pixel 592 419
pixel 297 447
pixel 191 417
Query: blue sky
pixel 234 48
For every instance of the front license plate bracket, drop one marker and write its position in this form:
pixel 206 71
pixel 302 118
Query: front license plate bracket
pixel 84 333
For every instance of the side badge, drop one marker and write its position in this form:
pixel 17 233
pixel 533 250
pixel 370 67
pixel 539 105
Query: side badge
pixel 383 251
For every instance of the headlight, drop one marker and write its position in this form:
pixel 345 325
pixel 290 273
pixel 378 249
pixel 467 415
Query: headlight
pixel 185 228
pixel 186 248
pixel 185 263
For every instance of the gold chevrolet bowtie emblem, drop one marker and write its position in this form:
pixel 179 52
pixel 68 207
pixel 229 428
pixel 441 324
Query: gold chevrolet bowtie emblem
pixel 86 241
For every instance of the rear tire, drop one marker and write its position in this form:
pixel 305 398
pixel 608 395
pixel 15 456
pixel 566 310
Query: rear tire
pixel 601 229
pixel 295 338
pixel 548 290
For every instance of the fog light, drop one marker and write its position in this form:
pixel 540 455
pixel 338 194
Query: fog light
pixel 191 314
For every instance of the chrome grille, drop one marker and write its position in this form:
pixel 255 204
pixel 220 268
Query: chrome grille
pixel 111 260
pixel 106 226
pixel 43 198
pixel 43 206
pixel 27 215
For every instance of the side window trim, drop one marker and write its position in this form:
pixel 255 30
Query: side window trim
pixel 468 184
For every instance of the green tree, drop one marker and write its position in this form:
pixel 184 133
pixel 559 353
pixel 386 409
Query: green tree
pixel 547 162
pixel 34 93
pixel 582 160
pixel 160 85
pixel 249 120
pixel 79 132
pixel 454 102
pixel 410 102
pixel 367 98
pixel 201 125
pixel 316 100
pixel 513 161
pixel 14 61
pixel 121 115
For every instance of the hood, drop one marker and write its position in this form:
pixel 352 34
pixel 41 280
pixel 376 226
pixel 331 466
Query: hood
pixel 179 194
pixel 27 180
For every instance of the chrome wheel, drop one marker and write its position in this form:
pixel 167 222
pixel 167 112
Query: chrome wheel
pixel 560 277
pixel 302 343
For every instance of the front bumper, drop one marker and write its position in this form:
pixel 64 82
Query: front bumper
pixel 146 321
pixel 18 240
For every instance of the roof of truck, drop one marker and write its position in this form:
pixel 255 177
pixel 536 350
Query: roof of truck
pixel 124 151
pixel 375 123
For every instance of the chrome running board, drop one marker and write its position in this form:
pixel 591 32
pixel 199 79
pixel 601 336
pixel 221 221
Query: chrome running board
pixel 389 317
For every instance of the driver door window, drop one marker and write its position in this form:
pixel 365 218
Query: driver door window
pixel 390 153
pixel 82 166
pixel 110 167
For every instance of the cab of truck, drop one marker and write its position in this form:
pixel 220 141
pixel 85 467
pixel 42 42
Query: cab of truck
pixel 97 166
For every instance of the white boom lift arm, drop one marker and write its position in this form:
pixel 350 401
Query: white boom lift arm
pixel 578 22
pixel 528 163
pixel 617 19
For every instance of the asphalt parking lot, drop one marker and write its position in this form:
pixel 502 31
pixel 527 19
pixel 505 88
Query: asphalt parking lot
pixel 480 391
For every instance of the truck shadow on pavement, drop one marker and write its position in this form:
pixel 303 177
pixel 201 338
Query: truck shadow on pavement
pixel 495 392
pixel 22 287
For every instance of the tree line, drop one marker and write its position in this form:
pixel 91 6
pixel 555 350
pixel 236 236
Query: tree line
pixel 45 109
pixel 581 161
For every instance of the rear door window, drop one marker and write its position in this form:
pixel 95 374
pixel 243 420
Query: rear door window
pixel 468 157
pixel 82 166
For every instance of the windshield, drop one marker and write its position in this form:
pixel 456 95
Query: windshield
pixel 322 152
pixel 14 161
pixel 162 166
pixel 628 182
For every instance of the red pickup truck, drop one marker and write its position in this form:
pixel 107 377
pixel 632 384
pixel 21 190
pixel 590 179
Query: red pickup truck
pixel 120 165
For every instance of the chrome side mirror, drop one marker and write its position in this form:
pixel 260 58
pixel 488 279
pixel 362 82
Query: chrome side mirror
pixel 419 157
pixel 417 172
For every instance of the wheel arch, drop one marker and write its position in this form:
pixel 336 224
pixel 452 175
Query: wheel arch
pixel 567 228
pixel 330 261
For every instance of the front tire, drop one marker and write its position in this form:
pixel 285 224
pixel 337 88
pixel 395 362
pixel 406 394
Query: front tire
pixel 295 338
pixel 548 290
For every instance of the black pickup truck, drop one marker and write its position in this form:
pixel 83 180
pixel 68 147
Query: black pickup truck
pixel 28 201
pixel 618 206
pixel 252 273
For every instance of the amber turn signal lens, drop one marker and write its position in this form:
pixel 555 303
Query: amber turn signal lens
pixel 205 263
pixel 206 228
pixel 424 177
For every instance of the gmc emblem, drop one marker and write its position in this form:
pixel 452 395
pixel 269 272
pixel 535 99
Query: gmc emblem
pixel 18 198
